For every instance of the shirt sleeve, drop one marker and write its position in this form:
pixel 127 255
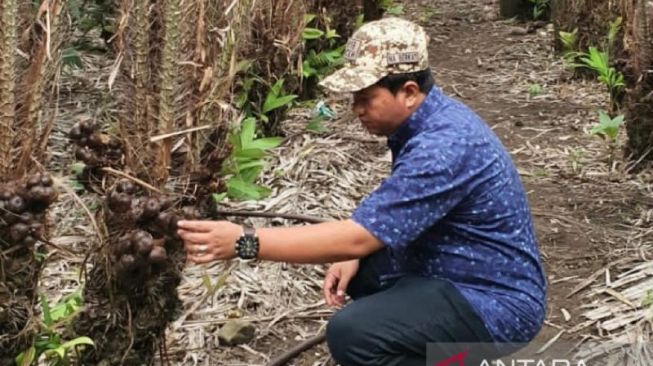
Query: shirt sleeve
pixel 427 182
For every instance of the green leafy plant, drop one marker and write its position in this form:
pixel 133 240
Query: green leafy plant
pixel 77 171
pixel 212 287
pixel 322 63
pixel 535 90
pixel 359 21
pixel 90 14
pixel 245 86
pixel 569 41
pixel 539 7
pixel 390 8
pixel 247 98
pixel 70 57
pixel 275 99
pixel 541 173
pixel 316 125
pixel 613 30
pixel 312 33
pixel 647 300
pixel 599 61
pixel 608 130
pixel 246 162
pixel 427 13
pixel 90 17
pixel 395 10
pixel 49 342
pixel 576 159
pixel 323 56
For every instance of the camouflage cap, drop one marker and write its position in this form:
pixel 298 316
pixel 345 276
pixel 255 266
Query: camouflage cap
pixel 377 49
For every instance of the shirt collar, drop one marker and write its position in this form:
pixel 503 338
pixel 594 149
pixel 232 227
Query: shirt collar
pixel 416 122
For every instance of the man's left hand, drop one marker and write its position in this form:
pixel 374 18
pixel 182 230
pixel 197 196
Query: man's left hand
pixel 206 241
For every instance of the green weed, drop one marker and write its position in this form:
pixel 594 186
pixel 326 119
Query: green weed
pixel 49 343
pixel 539 7
pixel 391 8
pixel 535 90
pixel 246 162
pixel 599 61
pixel 608 129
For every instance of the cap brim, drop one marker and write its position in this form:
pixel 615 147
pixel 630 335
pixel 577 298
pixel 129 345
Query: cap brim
pixel 349 80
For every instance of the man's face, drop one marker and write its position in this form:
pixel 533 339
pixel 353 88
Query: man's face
pixel 380 112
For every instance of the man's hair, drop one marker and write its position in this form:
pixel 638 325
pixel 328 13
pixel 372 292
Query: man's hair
pixel 394 82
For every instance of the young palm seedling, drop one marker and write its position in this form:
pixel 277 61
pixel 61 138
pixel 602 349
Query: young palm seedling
pixel 51 344
pixel 599 61
pixel 539 8
pixel 569 52
pixel 608 129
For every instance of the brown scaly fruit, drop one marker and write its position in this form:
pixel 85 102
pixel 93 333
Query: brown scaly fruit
pixel 158 255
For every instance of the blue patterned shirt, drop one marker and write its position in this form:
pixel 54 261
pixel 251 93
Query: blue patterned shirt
pixel 454 208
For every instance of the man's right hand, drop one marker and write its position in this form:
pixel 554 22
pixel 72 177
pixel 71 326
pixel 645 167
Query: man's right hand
pixel 336 281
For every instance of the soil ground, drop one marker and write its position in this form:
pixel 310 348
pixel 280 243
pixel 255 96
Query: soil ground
pixel 588 209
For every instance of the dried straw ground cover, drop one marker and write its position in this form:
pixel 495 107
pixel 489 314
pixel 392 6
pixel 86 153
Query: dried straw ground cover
pixel 593 219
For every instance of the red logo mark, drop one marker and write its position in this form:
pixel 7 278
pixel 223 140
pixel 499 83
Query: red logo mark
pixel 458 359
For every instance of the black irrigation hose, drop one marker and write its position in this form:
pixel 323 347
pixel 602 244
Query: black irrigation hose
pixel 295 351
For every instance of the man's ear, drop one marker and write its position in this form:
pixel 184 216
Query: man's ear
pixel 411 91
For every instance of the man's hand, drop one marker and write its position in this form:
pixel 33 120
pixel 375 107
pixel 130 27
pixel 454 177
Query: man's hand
pixel 206 241
pixel 336 281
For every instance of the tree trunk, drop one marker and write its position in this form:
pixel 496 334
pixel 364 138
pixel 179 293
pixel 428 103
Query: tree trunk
pixel 372 10
pixel 632 54
pixel 514 8
pixel 639 100
pixel 562 18
pixel 591 17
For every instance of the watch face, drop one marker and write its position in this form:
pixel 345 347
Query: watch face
pixel 247 247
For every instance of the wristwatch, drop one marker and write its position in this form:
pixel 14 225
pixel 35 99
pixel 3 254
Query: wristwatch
pixel 247 245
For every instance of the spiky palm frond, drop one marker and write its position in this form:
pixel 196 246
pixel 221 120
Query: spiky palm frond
pixel 8 41
pixel 168 84
pixel 141 66
pixel 42 46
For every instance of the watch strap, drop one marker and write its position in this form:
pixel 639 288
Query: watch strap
pixel 249 230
